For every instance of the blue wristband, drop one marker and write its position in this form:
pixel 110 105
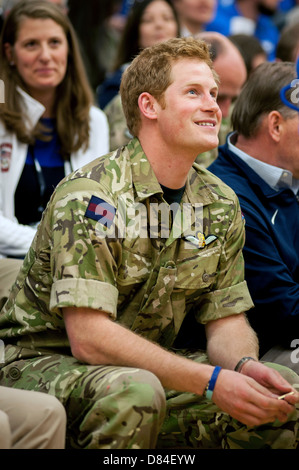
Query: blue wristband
pixel 212 382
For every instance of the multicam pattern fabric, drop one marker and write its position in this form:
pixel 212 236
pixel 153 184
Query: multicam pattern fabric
pixel 107 407
pixel 119 133
pixel 112 407
pixel 143 281
pixel 125 262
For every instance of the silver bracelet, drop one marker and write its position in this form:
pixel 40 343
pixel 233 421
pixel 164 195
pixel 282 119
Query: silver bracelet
pixel 242 362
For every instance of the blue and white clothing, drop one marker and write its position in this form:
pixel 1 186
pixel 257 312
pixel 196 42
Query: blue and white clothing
pixel 269 201
pixel 16 237
pixel 228 20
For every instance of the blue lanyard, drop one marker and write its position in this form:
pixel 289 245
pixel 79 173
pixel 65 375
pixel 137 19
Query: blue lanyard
pixel 41 178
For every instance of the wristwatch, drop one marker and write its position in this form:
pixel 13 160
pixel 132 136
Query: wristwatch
pixel 242 362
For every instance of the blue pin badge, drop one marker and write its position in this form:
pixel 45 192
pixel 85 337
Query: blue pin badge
pixel 293 101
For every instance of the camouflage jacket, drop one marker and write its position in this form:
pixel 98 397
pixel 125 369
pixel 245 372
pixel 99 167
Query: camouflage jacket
pixel 108 241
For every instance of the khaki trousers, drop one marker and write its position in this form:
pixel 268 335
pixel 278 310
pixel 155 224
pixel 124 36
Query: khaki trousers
pixel 111 407
pixel 31 420
pixel 9 269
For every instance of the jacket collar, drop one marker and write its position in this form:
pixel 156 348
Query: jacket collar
pixel 33 109
pixel 144 178
pixel 146 183
pixel 226 153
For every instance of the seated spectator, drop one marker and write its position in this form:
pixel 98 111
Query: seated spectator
pixel 232 78
pixel 248 17
pixel 260 163
pixel 194 15
pixel 148 22
pixel 288 45
pixel 48 124
pixel 251 50
pixel 102 295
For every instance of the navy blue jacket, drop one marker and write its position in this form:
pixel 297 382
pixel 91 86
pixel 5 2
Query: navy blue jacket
pixel 271 250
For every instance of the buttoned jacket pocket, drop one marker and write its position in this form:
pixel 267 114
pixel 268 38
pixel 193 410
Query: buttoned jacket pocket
pixel 197 269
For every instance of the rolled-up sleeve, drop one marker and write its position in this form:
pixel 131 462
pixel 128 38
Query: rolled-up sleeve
pixel 83 260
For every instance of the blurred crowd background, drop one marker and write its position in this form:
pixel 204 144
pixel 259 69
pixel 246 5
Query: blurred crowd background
pixel 109 34
pixel 100 26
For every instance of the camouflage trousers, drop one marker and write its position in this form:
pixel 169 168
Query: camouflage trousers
pixel 126 408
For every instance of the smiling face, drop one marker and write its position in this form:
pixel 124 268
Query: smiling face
pixel 39 54
pixel 157 24
pixel 191 117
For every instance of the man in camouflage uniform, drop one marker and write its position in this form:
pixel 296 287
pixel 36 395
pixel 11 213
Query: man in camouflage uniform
pixel 232 79
pixel 112 274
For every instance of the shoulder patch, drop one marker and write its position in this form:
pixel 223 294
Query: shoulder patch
pixel 100 210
